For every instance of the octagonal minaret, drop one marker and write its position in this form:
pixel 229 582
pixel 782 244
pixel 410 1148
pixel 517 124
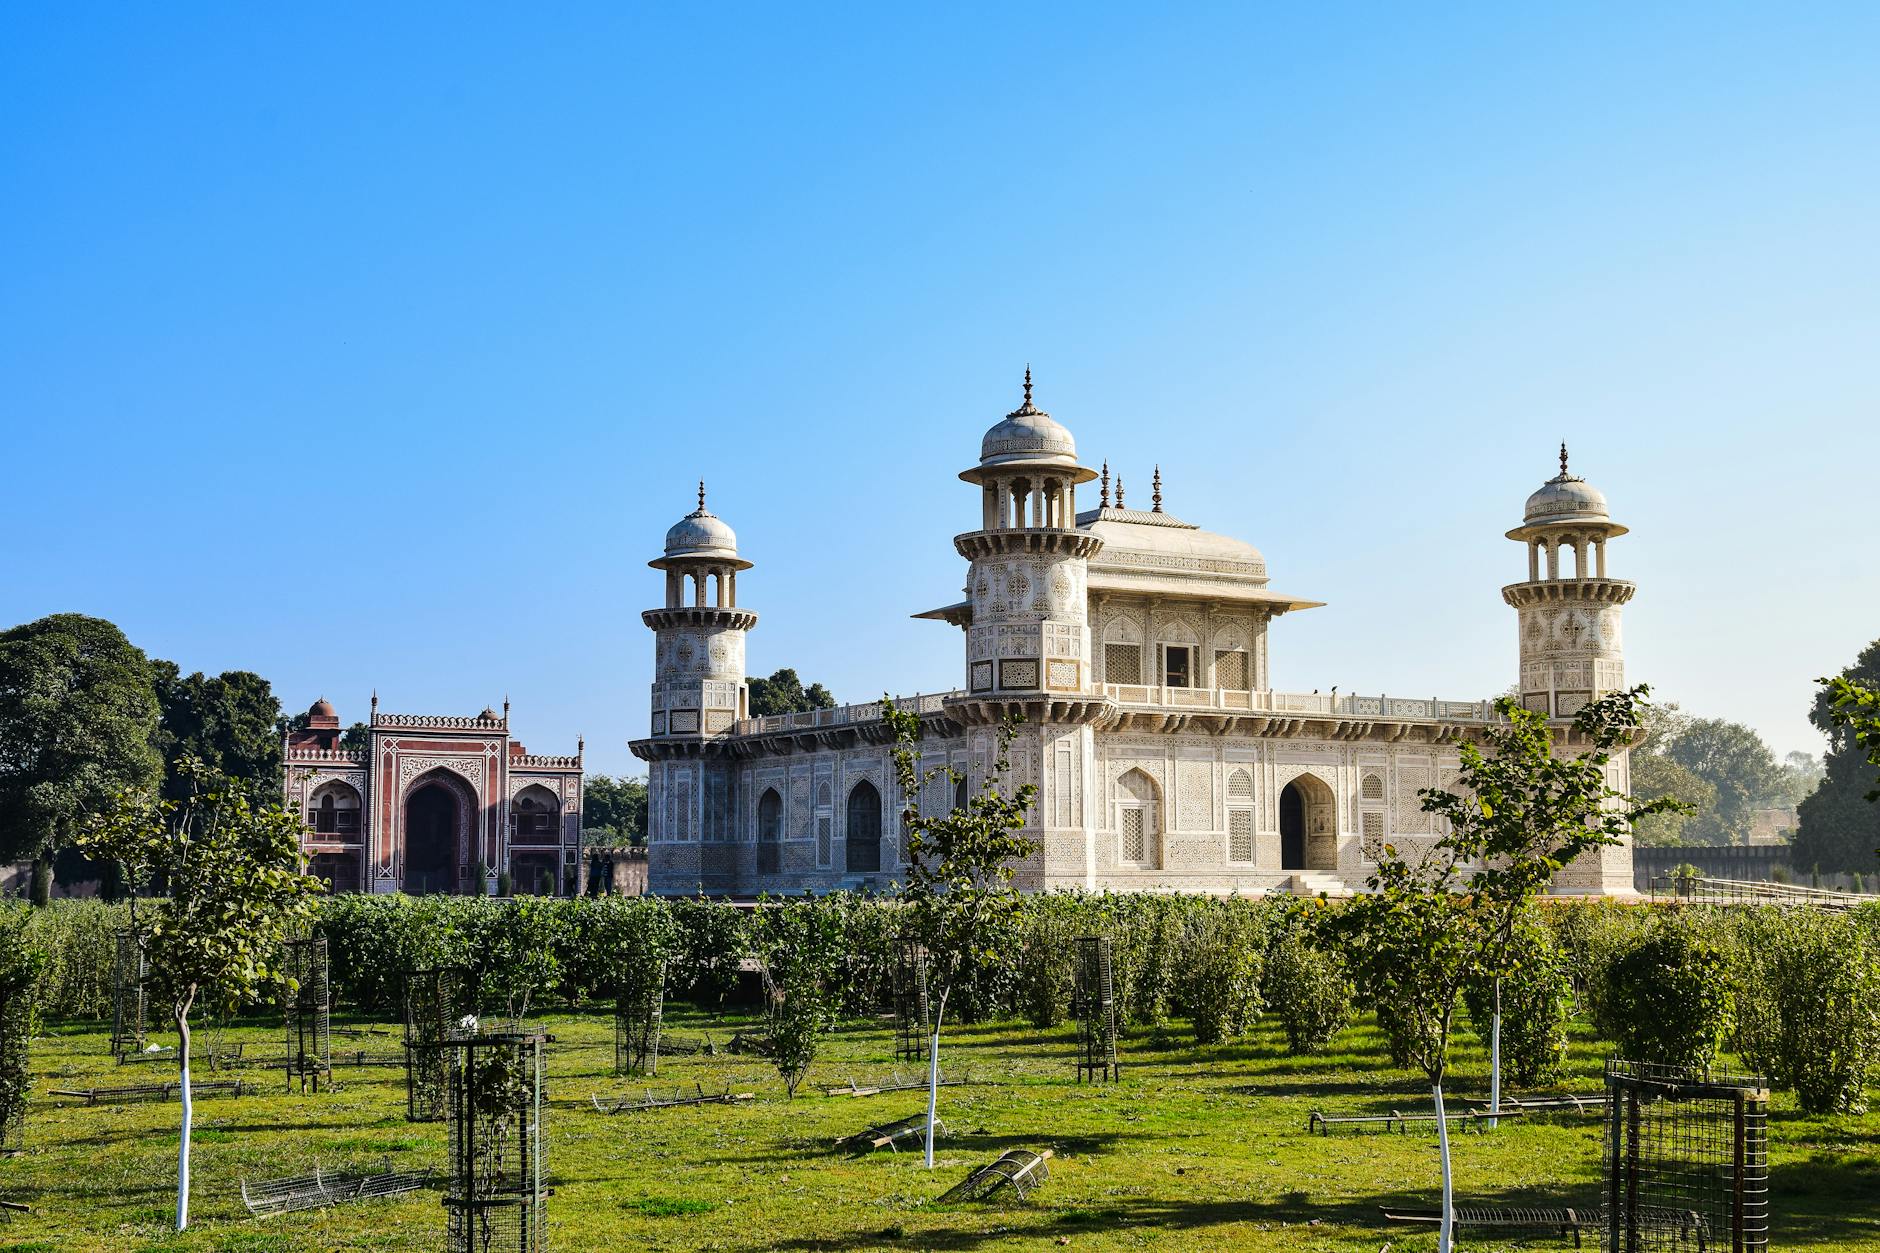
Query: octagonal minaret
pixel 1571 645
pixel 698 682
pixel 1029 634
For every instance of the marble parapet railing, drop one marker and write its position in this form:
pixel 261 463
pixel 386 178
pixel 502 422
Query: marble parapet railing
pixel 1340 705
pixel 437 722
pixel 841 715
pixel 543 761
pixel 1195 699
pixel 301 756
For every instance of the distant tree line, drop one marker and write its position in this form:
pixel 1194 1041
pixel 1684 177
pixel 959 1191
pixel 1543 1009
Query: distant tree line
pixel 85 716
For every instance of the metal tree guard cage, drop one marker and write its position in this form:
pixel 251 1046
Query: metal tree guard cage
pixel 309 1015
pixel 16 1017
pixel 913 1017
pixel 639 1006
pixel 495 1101
pixel 1687 1160
pixel 436 998
pixel 129 999
pixel 1096 1001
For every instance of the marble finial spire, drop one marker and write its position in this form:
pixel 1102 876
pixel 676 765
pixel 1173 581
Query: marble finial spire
pixel 1103 499
pixel 1028 382
pixel 1563 458
pixel 701 495
pixel 1156 491
pixel 1119 491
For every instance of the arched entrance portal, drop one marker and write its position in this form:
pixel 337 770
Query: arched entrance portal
pixel 431 821
pixel 1308 835
pixel 1292 828
pixel 864 829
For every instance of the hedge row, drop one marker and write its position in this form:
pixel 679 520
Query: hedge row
pixel 1795 993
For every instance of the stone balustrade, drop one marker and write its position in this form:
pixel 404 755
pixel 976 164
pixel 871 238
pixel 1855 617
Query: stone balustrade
pixel 544 762
pixel 1195 699
pixel 437 721
pixel 300 756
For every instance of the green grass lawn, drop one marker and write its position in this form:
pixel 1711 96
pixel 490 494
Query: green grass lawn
pixel 1196 1148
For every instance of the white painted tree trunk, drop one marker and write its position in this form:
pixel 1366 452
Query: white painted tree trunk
pixel 1445 1241
pixel 1494 1063
pixel 933 1088
pixel 182 1150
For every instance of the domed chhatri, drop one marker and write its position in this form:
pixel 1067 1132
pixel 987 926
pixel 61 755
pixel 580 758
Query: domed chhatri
pixel 1027 437
pixel 323 708
pixel 1568 500
pixel 702 533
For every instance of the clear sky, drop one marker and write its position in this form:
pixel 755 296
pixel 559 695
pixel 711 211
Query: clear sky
pixel 379 346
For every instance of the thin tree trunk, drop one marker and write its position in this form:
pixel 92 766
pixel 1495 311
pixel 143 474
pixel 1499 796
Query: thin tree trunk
pixel 42 879
pixel 182 1151
pixel 933 1075
pixel 1494 1058
pixel 1445 1241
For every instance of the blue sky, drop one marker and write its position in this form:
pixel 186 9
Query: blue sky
pixel 379 346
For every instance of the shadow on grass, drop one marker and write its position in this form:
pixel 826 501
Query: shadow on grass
pixel 1818 1201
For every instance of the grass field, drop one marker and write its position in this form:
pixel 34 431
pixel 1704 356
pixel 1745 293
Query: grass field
pixel 1196 1148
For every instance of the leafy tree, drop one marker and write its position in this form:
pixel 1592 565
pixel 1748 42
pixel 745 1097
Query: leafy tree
pixel 1839 829
pixel 78 718
pixel 1655 775
pixel 356 738
pixel 801 944
pixel 784 693
pixel 235 884
pixel 1802 773
pixel 1225 959
pixel 230 723
pixel 1427 929
pixel 1306 983
pixel 1666 997
pixel 1534 1002
pixel 1808 1005
pixel 1734 760
pixel 615 806
pixel 958 884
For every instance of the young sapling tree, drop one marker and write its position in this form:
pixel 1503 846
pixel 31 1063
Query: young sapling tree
pixel 959 874
pixel 1428 928
pixel 234 884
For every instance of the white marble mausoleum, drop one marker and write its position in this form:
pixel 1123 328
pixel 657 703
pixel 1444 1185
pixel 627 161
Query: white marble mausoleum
pixel 1135 645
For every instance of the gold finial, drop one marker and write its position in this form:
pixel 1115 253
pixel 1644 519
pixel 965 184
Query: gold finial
pixel 1103 499
pixel 1028 382
pixel 1119 491
pixel 701 495
pixel 1563 458
pixel 1156 491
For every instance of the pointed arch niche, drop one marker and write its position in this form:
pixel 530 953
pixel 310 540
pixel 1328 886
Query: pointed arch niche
pixel 1138 822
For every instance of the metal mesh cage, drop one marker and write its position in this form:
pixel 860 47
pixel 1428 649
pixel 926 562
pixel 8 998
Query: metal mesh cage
pixel 639 1007
pixel 495 1101
pixel 309 1015
pixel 436 997
pixel 913 1017
pixel 1096 1006
pixel 1687 1160
pixel 129 997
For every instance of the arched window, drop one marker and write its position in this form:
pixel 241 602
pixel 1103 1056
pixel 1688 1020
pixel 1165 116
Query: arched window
pixel 1372 789
pixel 825 819
pixel 864 828
pixel 959 793
pixel 769 831
pixel 333 810
pixel 1240 816
pixel 1138 821
pixel 535 815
